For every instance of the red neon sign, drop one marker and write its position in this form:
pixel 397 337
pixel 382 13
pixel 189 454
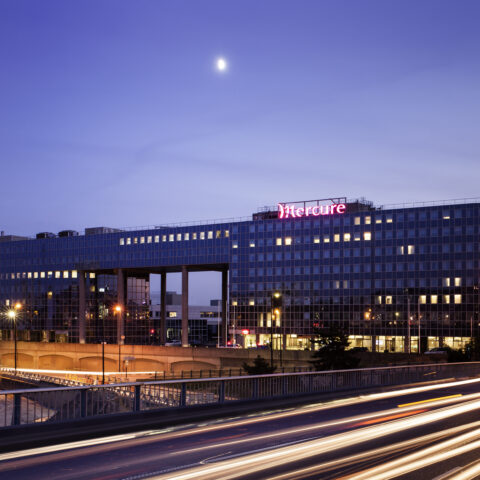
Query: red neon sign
pixel 245 331
pixel 292 211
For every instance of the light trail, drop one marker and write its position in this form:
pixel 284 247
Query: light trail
pixel 374 453
pixel 148 436
pixel 256 462
pixel 429 400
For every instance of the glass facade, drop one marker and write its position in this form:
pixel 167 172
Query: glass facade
pixel 383 275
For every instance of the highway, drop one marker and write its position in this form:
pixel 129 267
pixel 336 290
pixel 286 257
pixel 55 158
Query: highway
pixel 429 432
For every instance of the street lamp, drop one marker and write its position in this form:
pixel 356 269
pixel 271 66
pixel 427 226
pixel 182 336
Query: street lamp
pixel 12 314
pixel 118 311
pixel 277 303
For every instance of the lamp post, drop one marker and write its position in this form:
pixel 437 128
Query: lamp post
pixel 276 312
pixel 118 311
pixel 12 314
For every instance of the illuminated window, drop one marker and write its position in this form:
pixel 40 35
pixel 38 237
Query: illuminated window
pixel 157 238
pixel 142 239
pixel 400 250
pixel 446 282
pixel 202 235
pixel 129 241
pixel 135 240
pixel 336 284
pixel 378 220
pixel 234 303
pixel 368 220
pixel 194 235
pixel 210 235
pixel 92 275
pixel 49 274
pixel 35 274
pixel 288 240
pixel 446 217
pixel 457 298
pixel 356 221
pixel 227 233
pixel 422 299
pixel 367 236
pixel 164 238
pixel 458 281
pixel 316 239
pixel 42 274
pixel 411 249
pixel 172 314
pixel 388 299
pixel 378 299
pixel 251 303
pixel 49 294
pixel 171 237
pixel 446 299
pixel 122 241
pixel 235 244
pixel 346 237
pixel 186 237
pixel 356 237
pixel 326 239
pixel 149 239
pixel 30 275
pixel 65 274
pixel 389 220
pixel 336 237
pixel 74 274
pixel 278 242
pixel 433 299
pixel 218 234
pixel 252 243
pixel 179 237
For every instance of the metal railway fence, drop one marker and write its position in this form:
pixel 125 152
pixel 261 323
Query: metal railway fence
pixel 63 404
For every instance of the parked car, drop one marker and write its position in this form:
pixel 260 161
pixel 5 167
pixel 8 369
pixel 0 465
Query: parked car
pixel 438 351
pixel 173 343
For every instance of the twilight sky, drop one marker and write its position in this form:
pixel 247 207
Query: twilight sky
pixel 112 113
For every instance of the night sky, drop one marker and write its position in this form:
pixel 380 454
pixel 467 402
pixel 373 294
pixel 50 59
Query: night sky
pixel 113 113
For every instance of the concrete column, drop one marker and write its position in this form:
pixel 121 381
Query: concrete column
pixel 121 280
pixel 184 306
pixel 163 309
pixel 81 306
pixel 224 307
pixel 374 343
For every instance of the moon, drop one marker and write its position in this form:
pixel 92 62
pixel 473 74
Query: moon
pixel 221 64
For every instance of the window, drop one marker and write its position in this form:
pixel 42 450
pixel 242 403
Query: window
pixel 356 221
pixel 288 240
pixel 326 239
pixel 135 240
pixel 194 235
pixel 368 220
pixel 336 237
pixel 458 281
pixel 446 282
pixel 378 220
pixel 411 249
pixel 433 299
pixel 57 274
pixel 346 237
pixel 129 241
pixel 356 237
pixel 422 299
pixel 389 220
pixel 171 237
pixel 227 233
pixel 378 299
pixel 252 243
pixel 164 238
pixel 400 250
pixel 186 236
pixel 388 299
pixel 179 237
pixel 235 244
pixel 149 239
pixel 278 242
pixel 42 274
pixel 210 235
pixel 251 302
pixel 142 239
pixel 65 274
pixel 202 235
pixel 316 239
pixel 457 299
pixel 172 314
pixel 446 299
pixel 122 241
pixel 367 236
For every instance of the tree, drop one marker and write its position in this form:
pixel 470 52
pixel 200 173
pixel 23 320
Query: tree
pixel 260 367
pixel 332 354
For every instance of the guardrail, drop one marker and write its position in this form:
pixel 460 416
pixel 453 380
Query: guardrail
pixel 63 404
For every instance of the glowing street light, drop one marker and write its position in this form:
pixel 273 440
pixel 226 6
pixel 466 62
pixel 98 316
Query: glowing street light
pixel 12 315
